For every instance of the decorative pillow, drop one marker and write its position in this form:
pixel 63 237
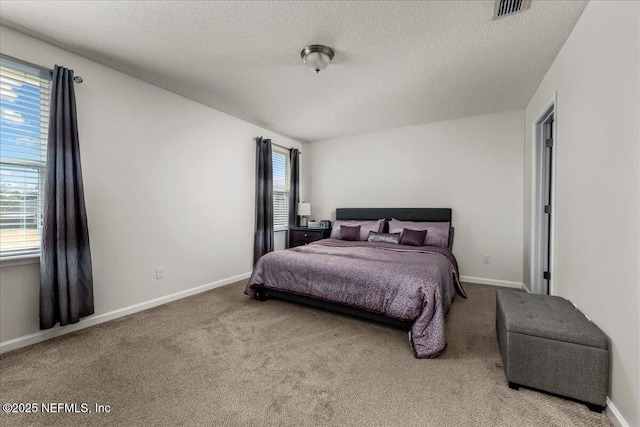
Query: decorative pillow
pixel 413 237
pixel 437 232
pixel 365 227
pixel 384 237
pixel 350 233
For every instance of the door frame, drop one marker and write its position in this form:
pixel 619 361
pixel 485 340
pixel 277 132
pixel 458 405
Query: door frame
pixel 537 198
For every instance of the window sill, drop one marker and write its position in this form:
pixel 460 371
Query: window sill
pixel 20 260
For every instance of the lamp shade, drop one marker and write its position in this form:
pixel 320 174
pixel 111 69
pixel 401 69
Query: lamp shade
pixel 304 209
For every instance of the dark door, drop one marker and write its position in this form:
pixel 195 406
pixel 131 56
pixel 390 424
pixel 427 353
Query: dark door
pixel 547 198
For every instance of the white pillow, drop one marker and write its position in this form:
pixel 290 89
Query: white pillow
pixel 437 232
pixel 365 227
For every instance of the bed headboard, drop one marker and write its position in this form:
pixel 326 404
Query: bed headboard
pixel 403 214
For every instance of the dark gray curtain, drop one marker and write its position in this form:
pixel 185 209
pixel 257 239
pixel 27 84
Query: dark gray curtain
pixel 66 281
pixel 294 186
pixel 263 239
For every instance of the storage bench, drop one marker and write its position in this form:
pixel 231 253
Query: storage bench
pixel 547 344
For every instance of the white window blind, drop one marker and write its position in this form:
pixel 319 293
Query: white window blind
pixel 24 122
pixel 280 189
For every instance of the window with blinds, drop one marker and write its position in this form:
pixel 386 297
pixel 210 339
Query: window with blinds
pixel 24 122
pixel 280 189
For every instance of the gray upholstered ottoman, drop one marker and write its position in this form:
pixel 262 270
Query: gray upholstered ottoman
pixel 548 345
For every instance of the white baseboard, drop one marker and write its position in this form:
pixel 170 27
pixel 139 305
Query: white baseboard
pixel 493 282
pixel 614 415
pixel 86 322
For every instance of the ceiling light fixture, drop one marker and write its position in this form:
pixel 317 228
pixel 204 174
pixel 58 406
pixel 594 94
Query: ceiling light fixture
pixel 317 57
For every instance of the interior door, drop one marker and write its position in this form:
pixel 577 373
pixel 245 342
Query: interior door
pixel 547 189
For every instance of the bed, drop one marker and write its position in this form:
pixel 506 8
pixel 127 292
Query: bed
pixel 410 287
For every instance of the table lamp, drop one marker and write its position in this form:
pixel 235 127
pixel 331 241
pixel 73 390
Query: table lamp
pixel 304 210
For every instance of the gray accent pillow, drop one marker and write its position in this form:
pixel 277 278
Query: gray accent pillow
pixel 437 232
pixel 365 227
pixel 384 237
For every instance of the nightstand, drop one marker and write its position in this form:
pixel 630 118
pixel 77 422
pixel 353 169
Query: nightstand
pixel 299 236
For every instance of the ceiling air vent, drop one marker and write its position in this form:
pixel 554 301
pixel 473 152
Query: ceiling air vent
pixel 509 7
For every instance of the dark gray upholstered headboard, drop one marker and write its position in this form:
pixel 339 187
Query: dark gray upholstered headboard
pixel 403 214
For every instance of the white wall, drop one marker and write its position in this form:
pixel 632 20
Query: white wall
pixel 168 183
pixel 596 76
pixel 472 165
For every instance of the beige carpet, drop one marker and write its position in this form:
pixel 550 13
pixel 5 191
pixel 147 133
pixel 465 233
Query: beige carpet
pixel 220 358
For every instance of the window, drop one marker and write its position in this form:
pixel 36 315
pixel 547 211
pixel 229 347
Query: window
pixel 280 189
pixel 24 122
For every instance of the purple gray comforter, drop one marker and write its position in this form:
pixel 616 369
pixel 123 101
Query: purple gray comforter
pixel 404 282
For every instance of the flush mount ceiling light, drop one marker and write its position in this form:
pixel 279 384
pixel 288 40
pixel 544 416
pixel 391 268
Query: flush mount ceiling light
pixel 317 57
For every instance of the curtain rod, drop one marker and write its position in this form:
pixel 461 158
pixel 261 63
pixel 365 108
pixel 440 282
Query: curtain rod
pixel 76 79
pixel 278 145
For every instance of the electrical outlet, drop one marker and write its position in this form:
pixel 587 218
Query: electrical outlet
pixel 486 259
pixel 159 273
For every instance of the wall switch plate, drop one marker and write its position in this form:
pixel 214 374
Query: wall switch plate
pixel 159 273
pixel 486 259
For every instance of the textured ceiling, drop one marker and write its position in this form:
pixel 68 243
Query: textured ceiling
pixel 396 63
